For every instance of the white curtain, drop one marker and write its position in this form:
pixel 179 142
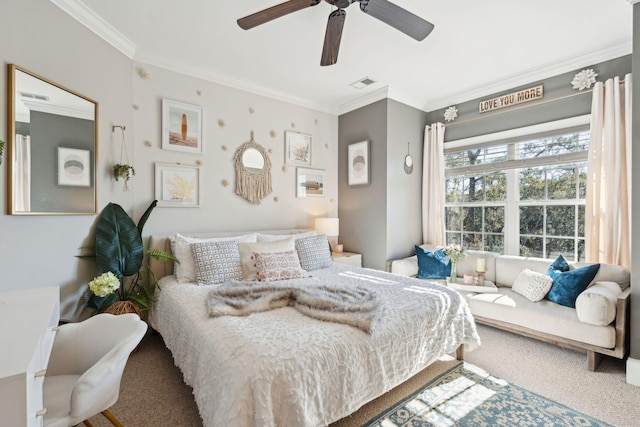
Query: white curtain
pixel 608 203
pixel 22 174
pixel 433 191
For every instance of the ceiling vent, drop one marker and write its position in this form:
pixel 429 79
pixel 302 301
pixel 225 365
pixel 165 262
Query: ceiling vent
pixel 35 96
pixel 364 82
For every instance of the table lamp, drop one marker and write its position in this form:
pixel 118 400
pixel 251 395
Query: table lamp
pixel 331 228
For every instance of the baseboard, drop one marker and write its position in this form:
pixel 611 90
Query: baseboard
pixel 633 371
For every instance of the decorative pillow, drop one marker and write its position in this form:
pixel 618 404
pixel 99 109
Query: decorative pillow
pixel 274 237
pixel 568 284
pixel 314 252
pixel 597 304
pixel 560 264
pixel 185 271
pixel 432 265
pixel 216 262
pixel 247 251
pixel 278 266
pixel 532 285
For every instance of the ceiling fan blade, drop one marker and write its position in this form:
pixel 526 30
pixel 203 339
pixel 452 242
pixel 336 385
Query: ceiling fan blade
pixel 332 37
pixel 274 12
pixel 399 18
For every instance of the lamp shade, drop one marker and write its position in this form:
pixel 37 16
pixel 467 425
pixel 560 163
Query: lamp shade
pixel 328 226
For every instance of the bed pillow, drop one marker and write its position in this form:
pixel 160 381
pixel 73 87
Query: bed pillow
pixel 216 262
pixel 274 237
pixel 314 252
pixel 568 284
pixel 247 250
pixel 432 265
pixel 532 285
pixel 185 271
pixel 278 266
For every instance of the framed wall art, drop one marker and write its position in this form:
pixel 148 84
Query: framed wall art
pixel 181 127
pixel 297 148
pixel 359 164
pixel 74 167
pixel 177 185
pixel 310 182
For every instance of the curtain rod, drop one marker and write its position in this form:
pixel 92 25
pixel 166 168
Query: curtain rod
pixel 520 107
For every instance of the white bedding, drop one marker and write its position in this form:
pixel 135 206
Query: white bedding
pixel 282 368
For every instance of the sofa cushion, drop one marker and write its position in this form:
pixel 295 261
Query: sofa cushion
pixel 507 306
pixel 597 304
pixel 568 284
pixel 432 265
pixel 532 285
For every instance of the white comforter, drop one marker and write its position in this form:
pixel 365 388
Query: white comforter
pixel 282 368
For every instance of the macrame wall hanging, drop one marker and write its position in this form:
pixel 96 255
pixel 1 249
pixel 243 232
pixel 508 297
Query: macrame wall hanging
pixel 253 171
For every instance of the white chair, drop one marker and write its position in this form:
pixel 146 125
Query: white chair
pixel 85 368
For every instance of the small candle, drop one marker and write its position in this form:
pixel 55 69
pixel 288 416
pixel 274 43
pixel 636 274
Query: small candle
pixel 480 267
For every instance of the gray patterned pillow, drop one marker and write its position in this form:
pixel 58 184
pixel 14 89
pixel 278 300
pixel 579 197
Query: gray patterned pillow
pixel 314 252
pixel 216 262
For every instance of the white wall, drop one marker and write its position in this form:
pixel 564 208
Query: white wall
pixel 40 251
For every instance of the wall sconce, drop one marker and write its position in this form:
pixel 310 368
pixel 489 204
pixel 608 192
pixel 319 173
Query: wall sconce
pixel 331 228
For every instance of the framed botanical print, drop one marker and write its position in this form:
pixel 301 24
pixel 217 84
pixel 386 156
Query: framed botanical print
pixel 297 148
pixel 177 185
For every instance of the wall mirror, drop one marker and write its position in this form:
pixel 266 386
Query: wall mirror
pixel 253 171
pixel 52 147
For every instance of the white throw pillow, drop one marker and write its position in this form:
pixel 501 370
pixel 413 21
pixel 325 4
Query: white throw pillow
pixel 185 271
pixel 597 304
pixel 247 250
pixel 532 285
pixel 274 237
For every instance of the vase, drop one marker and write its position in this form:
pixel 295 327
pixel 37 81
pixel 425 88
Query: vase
pixel 122 307
pixel 454 272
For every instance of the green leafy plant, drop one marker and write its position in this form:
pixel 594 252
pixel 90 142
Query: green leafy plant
pixel 2 143
pixel 124 171
pixel 119 250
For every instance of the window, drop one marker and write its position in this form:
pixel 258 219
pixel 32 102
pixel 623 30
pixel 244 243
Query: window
pixel 521 195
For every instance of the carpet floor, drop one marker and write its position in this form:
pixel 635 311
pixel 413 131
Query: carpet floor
pixel 153 393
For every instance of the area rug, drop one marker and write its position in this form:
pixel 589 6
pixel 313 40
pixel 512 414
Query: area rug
pixel 465 395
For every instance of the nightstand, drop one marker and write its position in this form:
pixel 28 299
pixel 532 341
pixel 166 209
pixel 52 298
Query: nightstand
pixel 347 258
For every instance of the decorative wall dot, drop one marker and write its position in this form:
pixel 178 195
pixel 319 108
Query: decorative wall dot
pixel 144 74
pixel 316 121
pixel 284 168
pixel 273 134
pixel 251 110
pixel 225 182
pixel 276 199
pixel 330 200
pixel 293 125
pixel 136 107
pixel 270 150
pixel 148 143
pixel 199 92
pixel 326 146
pixel 225 148
pixel 222 123
pixel 198 162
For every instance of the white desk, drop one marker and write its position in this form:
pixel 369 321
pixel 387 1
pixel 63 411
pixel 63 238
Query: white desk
pixel 28 319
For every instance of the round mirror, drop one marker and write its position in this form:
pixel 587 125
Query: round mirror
pixel 253 160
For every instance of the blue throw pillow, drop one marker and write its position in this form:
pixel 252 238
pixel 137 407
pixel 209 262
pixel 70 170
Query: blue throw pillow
pixel 432 265
pixel 568 284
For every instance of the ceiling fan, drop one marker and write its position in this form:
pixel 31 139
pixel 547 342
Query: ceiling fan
pixel 385 11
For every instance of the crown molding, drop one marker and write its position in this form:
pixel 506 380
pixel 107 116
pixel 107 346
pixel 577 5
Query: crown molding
pixel 632 2
pixel 191 70
pixel 611 52
pixel 87 17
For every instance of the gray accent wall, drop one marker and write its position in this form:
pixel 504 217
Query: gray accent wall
pixel 635 209
pixel 382 220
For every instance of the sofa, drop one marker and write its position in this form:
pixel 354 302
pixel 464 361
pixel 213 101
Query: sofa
pixel 598 324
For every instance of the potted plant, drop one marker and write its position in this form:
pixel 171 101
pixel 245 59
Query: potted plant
pixel 1 150
pixel 124 171
pixel 120 253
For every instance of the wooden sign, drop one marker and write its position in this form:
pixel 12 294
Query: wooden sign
pixel 524 95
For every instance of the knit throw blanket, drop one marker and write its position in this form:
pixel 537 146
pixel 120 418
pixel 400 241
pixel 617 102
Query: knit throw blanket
pixel 353 306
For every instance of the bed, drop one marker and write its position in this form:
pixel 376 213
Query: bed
pixel 281 367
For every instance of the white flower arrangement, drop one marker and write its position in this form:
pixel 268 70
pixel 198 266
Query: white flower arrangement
pixel 104 284
pixel 584 79
pixel 455 253
pixel 450 113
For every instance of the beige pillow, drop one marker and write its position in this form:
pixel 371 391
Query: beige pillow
pixel 249 267
pixel 532 285
pixel 274 237
pixel 274 266
pixel 597 304
pixel 185 271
